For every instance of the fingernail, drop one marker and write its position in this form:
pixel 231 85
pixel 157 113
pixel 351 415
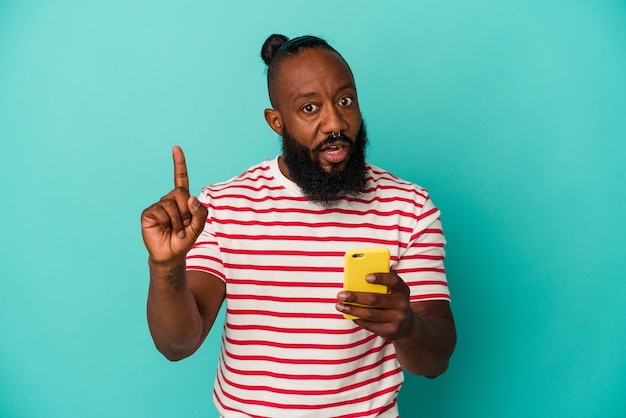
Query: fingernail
pixel 370 278
pixel 181 234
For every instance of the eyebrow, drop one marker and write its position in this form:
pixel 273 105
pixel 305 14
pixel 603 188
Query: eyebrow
pixel 348 85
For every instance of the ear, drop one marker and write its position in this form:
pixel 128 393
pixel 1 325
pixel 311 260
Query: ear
pixel 274 120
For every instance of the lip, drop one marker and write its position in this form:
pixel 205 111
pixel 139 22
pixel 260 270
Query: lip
pixel 335 153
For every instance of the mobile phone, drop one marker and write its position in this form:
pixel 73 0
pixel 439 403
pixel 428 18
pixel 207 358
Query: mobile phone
pixel 358 263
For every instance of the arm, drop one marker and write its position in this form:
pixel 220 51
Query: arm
pixel 182 306
pixel 423 332
pixel 430 339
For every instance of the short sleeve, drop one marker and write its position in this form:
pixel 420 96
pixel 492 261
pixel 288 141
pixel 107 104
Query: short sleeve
pixel 421 265
pixel 205 254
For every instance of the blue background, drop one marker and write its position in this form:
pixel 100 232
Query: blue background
pixel 512 114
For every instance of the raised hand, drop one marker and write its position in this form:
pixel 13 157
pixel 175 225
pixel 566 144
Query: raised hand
pixel 171 226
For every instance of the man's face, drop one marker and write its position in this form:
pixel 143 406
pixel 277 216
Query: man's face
pixel 315 96
pixel 318 116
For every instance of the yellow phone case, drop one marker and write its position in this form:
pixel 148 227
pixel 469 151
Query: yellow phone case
pixel 360 262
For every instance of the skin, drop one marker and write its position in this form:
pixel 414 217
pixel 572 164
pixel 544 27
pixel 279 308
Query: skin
pixel 316 96
pixel 182 306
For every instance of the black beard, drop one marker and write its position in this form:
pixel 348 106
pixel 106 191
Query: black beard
pixel 323 187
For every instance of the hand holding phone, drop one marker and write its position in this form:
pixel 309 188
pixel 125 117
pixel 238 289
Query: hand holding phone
pixel 360 262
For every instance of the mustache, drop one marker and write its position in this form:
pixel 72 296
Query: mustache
pixel 330 140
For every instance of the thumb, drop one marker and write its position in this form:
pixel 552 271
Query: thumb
pixel 198 215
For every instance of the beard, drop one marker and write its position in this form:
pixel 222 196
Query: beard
pixel 322 187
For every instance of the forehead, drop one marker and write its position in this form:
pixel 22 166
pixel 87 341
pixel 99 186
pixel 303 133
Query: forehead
pixel 315 71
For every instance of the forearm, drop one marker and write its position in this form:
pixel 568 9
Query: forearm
pixel 427 346
pixel 173 315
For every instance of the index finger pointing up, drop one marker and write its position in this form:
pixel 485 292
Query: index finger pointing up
pixel 180 168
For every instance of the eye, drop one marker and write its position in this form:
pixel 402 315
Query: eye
pixel 346 101
pixel 309 108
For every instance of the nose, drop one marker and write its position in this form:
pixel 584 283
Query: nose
pixel 333 121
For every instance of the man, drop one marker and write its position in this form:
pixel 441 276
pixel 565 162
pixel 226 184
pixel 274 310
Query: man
pixel 271 243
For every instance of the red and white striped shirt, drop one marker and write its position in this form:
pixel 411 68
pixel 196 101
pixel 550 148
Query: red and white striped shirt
pixel 286 351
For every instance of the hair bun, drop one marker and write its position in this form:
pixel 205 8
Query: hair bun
pixel 271 45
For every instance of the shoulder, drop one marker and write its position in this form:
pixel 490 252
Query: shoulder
pixel 384 182
pixel 249 179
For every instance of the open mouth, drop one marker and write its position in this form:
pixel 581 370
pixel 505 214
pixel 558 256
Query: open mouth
pixel 336 152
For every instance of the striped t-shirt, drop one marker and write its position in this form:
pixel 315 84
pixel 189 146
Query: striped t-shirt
pixel 286 351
